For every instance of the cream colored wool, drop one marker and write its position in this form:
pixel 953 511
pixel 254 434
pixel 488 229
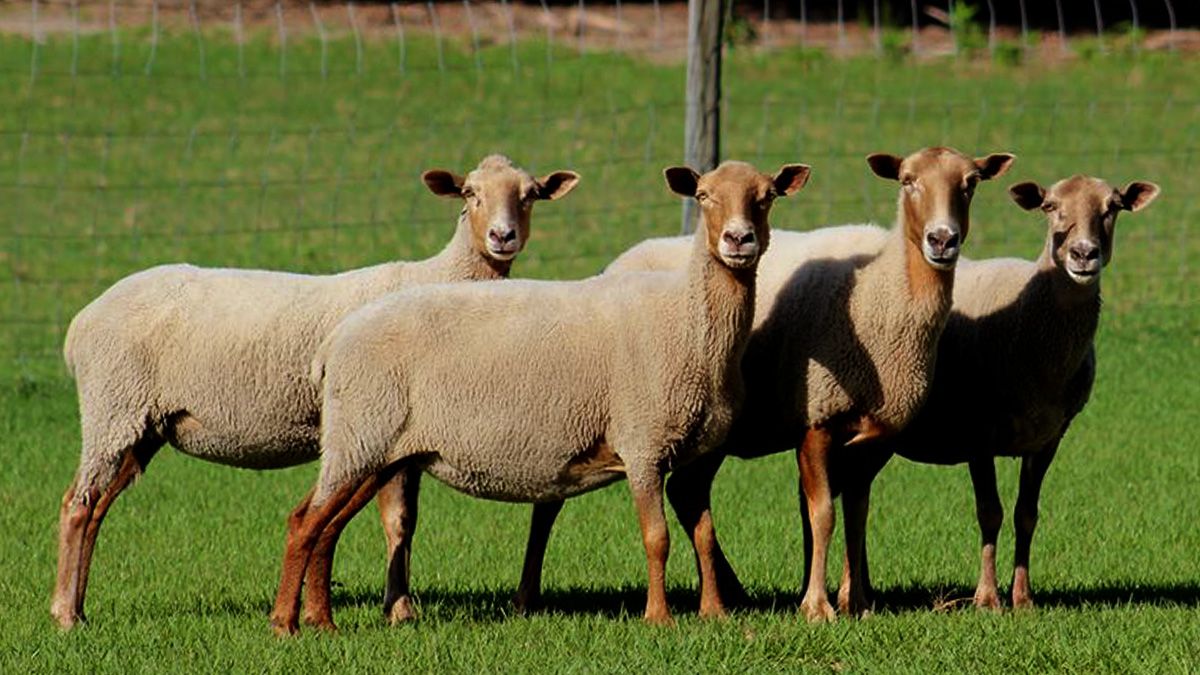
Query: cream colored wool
pixel 834 314
pixel 215 361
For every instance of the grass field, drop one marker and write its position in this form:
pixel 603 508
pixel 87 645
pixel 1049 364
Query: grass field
pixel 117 168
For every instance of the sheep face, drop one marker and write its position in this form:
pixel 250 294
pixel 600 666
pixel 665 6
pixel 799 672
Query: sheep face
pixel 936 187
pixel 1082 213
pixel 498 200
pixel 735 199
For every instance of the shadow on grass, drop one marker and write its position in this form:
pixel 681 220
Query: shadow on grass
pixel 495 605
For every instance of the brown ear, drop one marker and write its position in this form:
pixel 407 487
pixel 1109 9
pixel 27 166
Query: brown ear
pixel 790 178
pixel 443 183
pixel 994 166
pixel 885 165
pixel 1137 195
pixel 557 184
pixel 1028 195
pixel 682 180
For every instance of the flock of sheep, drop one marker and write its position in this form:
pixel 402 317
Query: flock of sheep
pixel 737 341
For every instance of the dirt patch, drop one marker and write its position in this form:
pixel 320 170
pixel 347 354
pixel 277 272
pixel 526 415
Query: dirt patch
pixel 657 31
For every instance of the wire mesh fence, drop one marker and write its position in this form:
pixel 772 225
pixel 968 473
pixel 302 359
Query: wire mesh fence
pixel 292 135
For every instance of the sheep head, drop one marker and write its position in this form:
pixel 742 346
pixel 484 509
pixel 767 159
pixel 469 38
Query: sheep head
pixel 1082 213
pixel 498 199
pixel 735 199
pixel 936 187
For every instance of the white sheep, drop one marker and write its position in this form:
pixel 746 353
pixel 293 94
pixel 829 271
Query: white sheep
pixel 215 361
pixel 1016 362
pixel 846 327
pixel 538 391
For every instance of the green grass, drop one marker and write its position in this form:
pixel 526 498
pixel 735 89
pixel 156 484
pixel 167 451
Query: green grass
pixel 115 170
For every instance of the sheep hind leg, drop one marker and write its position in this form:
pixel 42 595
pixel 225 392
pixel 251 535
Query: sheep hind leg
pixel 398 510
pixel 80 517
pixel 690 492
pixel 990 513
pixel 529 591
pixel 1033 472
pixel 813 459
pixel 647 488
pixel 318 609
pixel 306 526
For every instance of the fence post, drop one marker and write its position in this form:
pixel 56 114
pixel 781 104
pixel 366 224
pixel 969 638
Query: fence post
pixel 702 128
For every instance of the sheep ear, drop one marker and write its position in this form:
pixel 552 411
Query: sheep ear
pixel 557 184
pixel 885 165
pixel 682 180
pixel 994 166
pixel 1137 195
pixel 443 183
pixel 1028 195
pixel 790 178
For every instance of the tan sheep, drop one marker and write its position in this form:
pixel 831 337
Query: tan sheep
pixel 1016 363
pixel 846 327
pixel 538 391
pixel 215 361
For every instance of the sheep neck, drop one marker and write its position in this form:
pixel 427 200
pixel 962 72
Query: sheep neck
pixel 722 306
pixel 462 260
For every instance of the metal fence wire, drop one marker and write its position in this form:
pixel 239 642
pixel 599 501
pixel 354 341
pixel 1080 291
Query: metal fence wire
pixel 291 135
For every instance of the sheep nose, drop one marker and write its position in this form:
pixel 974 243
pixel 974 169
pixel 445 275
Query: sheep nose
pixel 1084 251
pixel 942 240
pixel 738 239
pixel 502 236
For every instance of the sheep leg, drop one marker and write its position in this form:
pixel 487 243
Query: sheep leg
pixel 990 513
pixel 647 491
pixel 529 592
pixel 305 526
pixel 318 610
pixel 856 476
pixel 1033 472
pixel 80 517
pixel 814 474
pixel 690 492
pixel 852 593
pixel 398 509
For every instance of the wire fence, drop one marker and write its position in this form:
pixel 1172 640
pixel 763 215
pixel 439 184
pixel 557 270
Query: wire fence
pixel 291 135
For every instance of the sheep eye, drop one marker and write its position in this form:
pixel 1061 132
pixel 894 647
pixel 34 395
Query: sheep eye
pixel 907 181
pixel 1049 207
pixel 701 196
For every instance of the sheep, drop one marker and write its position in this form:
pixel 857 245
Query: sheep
pixel 1016 363
pixel 537 391
pixel 846 327
pixel 215 361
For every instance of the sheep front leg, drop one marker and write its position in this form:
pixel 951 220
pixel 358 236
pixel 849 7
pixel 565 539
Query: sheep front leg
pixel 690 492
pixel 852 593
pixel 1033 472
pixel 990 513
pixel 318 610
pixel 306 525
pixel 813 459
pixel 529 591
pixel 647 488
pixel 398 510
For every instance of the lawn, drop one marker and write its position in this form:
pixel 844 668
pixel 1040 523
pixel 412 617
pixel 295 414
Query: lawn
pixel 115 159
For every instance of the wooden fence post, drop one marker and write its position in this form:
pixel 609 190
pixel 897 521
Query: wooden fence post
pixel 702 130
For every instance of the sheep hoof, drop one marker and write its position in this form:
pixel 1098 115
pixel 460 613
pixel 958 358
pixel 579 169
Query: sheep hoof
pixel 662 618
pixel 987 602
pixel 402 612
pixel 284 628
pixel 66 618
pixel 714 611
pixel 1022 602
pixel 818 611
